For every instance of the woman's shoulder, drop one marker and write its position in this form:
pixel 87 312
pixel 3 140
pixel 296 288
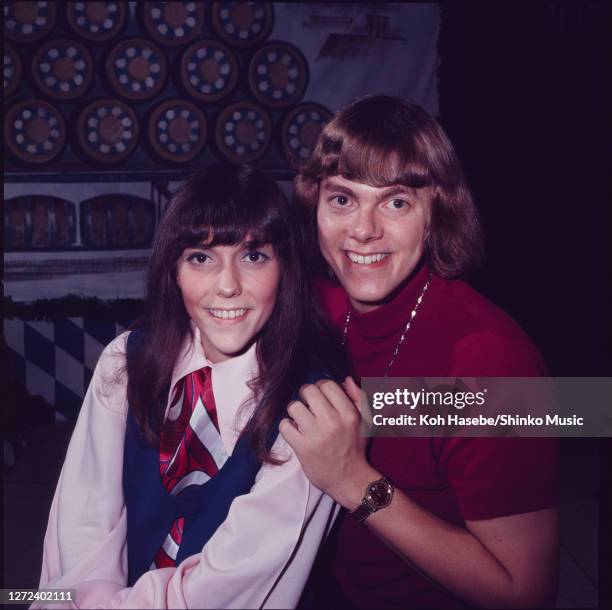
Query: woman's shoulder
pixel 113 356
pixel 109 381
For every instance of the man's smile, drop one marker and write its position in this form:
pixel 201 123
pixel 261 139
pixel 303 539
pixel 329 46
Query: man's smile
pixel 374 258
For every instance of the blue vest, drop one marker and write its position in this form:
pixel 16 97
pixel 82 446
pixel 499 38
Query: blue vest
pixel 151 510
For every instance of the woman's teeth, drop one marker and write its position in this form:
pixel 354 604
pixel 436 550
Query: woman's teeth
pixel 227 314
pixel 365 260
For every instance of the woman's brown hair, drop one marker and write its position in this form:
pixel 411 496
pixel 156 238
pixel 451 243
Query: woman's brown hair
pixel 222 205
pixel 383 140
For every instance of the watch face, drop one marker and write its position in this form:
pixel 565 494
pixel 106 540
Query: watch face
pixel 380 493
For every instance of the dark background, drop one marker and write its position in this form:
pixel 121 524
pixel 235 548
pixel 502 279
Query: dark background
pixel 525 98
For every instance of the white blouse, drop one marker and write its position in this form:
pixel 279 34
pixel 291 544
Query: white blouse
pixel 259 557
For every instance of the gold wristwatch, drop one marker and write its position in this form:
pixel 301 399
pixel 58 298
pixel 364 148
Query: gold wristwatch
pixel 378 494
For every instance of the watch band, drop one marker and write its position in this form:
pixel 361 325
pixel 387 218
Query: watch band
pixel 363 511
pixel 372 501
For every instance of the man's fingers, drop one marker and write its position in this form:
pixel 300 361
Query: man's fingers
pixel 337 397
pixel 353 391
pixel 290 432
pixel 317 402
pixel 302 417
pixel 359 398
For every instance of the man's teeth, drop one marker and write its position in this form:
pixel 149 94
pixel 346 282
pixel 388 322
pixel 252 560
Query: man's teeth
pixel 227 314
pixel 365 260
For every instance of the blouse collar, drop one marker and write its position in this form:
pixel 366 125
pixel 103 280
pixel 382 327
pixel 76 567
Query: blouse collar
pixel 230 377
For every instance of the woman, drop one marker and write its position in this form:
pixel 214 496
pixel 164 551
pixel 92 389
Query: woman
pixel 227 339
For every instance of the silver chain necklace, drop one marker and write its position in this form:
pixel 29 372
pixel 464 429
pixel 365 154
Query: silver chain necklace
pixel 413 314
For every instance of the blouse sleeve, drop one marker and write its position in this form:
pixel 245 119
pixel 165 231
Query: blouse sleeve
pixel 259 557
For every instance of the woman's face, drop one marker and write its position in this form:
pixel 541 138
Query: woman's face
pixel 229 292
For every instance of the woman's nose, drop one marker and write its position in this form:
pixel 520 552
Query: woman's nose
pixel 228 282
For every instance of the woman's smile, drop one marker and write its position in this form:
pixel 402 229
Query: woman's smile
pixel 229 315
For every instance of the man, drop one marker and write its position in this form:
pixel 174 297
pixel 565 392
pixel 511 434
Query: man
pixel 448 522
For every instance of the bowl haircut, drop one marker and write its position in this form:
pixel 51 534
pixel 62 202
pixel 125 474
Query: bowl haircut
pixel 383 141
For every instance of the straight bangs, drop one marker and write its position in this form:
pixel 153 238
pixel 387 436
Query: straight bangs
pixel 369 159
pixel 228 217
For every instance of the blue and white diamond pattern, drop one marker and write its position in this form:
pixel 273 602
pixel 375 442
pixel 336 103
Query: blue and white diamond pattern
pixel 56 360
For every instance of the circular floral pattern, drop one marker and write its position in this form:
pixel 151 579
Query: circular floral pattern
pixel 136 69
pixel 62 69
pixel 173 23
pixel 34 131
pixel 209 71
pixel 97 21
pixel 107 130
pixel 177 130
pixel 278 74
pixel 242 24
pixel 28 21
pixel 243 132
pixel 300 130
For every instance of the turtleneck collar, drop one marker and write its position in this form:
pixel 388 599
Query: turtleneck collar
pixel 391 318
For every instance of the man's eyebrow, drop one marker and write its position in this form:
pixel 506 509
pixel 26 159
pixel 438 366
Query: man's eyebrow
pixel 330 185
pixel 398 189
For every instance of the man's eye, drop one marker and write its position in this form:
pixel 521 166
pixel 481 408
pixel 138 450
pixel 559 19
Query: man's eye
pixel 341 200
pixel 398 204
pixel 198 258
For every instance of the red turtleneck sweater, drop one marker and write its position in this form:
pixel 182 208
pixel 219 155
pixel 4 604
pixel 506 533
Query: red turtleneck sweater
pixel 456 332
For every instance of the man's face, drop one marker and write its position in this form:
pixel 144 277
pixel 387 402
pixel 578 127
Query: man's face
pixel 371 237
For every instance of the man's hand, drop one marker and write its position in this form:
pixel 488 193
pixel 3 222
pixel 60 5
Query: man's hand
pixel 324 432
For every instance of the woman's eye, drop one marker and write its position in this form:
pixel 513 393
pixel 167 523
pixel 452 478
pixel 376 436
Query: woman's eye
pixel 255 257
pixel 198 258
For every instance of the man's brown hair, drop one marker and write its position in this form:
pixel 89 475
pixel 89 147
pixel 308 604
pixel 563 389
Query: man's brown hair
pixel 382 141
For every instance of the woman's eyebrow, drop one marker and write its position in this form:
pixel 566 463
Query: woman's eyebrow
pixel 253 244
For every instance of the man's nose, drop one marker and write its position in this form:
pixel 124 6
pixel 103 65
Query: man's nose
pixel 365 226
pixel 228 281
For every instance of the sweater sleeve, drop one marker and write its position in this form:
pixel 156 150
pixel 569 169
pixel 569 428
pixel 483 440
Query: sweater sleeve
pixel 494 477
pixel 259 557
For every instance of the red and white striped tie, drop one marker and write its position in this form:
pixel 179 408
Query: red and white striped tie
pixel 199 454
